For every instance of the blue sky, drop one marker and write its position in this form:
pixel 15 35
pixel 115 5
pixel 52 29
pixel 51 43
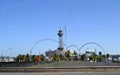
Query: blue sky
pixel 24 22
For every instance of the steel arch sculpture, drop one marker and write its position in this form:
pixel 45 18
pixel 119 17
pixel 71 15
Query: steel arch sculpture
pixel 39 42
pixel 92 43
pixel 73 46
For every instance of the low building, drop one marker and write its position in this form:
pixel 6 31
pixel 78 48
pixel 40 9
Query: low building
pixel 6 59
pixel 114 58
pixel 50 52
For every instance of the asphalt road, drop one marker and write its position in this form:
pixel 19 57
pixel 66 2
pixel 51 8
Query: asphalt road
pixel 65 73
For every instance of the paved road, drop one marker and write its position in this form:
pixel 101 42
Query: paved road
pixel 65 73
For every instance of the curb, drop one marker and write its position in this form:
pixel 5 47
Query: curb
pixel 52 69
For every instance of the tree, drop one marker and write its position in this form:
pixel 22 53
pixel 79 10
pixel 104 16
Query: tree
pixel 75 56
pixel 101 57
pixel 27 57
pixel 42 57
pixel 107 55
pixel 2 58
pixel 94 56
pixel 67 55
pixel 100 53
pixel 83 57
pixel 19 58
pixel 33 58
pixel 37 59
pixel 55 57
pixel 24 58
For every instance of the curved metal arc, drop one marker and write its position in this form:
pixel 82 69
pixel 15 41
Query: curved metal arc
pixel 92 43
pixel 73 46
pixel 41 41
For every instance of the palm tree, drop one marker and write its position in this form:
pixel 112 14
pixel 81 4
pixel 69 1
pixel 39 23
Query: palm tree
pixel 100 56
pixel 67 55
pixel 19 58
pixel 27 57
pixel 54 57
pixel 75 55
pixel 100 53
pixel 107 55
pixel 94 56
pixel 24 58
pixel 42 57
pixel 33 58
pixel 83 57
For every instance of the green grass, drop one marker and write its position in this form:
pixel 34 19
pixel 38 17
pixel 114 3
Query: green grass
pixel 53 64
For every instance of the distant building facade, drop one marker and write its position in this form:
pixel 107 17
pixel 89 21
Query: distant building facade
pixel 52 52
pixel 114 58
pixel 6 59
pixel 49 53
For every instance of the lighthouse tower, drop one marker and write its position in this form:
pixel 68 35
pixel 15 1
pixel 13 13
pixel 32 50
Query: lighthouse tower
pixel 60 35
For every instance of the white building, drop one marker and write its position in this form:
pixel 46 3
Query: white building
pixel 6 59
pixel 89 54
